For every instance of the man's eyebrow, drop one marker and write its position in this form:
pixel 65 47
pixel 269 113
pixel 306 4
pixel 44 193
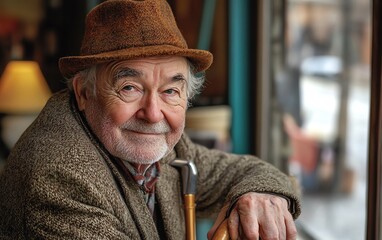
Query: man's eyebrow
pixel 126 72
pixel 178 77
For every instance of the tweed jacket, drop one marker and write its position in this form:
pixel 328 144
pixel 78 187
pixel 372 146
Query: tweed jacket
pixel 57 184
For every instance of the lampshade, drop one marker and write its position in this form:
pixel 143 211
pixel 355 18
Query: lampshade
pixel 23 89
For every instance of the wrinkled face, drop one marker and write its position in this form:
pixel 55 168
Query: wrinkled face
pixel 138 111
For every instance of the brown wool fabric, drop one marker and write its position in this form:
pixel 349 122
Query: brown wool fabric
pixel 126 29
pixel 58 184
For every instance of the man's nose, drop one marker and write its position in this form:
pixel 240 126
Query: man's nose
pixel 150 109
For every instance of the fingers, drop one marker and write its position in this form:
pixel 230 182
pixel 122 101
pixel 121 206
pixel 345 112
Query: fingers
pixel 272 223
pixel 272 229
pixel 234 225
pixel 261 216
pixel 249 225
pixel 291 231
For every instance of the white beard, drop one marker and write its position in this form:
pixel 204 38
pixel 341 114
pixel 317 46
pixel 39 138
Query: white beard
pixel 126 142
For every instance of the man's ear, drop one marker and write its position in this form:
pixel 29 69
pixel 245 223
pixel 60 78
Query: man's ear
pixel 80 92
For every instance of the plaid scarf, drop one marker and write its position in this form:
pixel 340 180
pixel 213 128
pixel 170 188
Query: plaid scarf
pixel 145 176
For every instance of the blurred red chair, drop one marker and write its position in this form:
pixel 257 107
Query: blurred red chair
pixel 304 149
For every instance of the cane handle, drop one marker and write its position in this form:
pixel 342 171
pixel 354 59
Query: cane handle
pixel 222 232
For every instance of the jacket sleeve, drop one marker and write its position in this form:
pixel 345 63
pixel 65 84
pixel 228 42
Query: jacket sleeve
pixel 61 198
pixel 224 177
pixel 61 205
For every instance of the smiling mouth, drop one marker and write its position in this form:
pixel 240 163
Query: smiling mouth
pixel 146 133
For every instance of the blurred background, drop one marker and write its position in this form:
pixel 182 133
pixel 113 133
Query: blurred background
pixel 290 83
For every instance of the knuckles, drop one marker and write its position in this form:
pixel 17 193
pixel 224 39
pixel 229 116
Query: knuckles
pixel 251 200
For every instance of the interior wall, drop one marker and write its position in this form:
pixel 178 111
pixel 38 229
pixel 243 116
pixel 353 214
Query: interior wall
pixel 189 14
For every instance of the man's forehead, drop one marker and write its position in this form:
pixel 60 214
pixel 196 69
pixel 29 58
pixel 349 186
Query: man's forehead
pixel 174 66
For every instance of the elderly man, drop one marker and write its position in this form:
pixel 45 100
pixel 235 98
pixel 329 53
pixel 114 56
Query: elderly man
pixel 95 163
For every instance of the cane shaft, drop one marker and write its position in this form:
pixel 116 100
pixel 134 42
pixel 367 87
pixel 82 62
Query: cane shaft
pixel 189 205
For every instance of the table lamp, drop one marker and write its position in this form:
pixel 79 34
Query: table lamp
pixel 23 93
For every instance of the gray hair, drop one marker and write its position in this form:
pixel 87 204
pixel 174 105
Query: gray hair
pixel 88 77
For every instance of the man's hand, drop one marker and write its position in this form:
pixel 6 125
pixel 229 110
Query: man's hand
pixel 258 215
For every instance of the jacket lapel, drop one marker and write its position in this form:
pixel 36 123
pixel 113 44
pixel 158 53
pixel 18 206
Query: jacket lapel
pixel 135 203
pixel 168 193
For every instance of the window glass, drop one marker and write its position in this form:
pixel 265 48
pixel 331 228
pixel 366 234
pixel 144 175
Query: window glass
pixel 322 92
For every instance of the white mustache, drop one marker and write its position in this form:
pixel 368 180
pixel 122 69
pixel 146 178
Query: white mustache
pixel 143 127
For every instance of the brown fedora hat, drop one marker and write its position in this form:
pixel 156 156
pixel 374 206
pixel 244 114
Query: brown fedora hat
pixel 127 29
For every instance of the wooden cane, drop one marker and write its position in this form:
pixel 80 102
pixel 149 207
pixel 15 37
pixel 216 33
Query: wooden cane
pixel 222 232
pixel 189 210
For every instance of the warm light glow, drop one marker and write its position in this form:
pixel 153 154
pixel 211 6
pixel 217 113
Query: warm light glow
pixel 23 89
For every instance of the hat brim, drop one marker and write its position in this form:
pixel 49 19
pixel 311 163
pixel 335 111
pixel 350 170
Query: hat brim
pixel 200 59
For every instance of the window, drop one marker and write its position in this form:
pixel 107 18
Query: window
pixel 320 108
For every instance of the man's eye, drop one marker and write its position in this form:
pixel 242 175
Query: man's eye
pixel 170 91
pixel 128 88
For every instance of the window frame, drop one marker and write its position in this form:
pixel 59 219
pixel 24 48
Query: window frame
pixel 373 230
